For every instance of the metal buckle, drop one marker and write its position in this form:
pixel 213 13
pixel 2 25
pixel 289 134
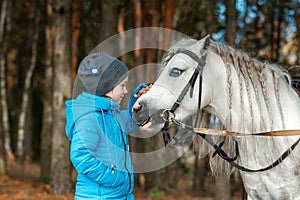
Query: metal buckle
pixel 167 115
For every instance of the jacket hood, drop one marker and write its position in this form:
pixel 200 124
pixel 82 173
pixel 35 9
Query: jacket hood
pixel 85 103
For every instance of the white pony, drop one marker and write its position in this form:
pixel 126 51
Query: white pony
pixel 248 96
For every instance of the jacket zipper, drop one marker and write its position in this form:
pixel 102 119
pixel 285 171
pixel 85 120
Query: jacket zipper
pixel 125 164
pixel 128 172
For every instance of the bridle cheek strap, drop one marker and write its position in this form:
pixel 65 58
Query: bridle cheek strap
pixel 190 85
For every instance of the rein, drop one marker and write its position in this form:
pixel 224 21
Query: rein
pixel 168 116
pixel 206 133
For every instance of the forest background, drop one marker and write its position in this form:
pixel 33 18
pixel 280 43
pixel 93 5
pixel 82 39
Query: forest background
pixel 42 42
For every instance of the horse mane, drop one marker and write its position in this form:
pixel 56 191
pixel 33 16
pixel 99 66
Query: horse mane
pixel 217 165
pixel 254 76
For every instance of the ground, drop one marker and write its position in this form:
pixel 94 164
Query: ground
pixel 22 184
pixel 21 189
pixel 17 189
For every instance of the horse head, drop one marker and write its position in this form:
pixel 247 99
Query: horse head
pixel 178 75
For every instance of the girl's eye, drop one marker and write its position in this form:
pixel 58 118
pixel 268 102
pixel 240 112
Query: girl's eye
pixel 175 72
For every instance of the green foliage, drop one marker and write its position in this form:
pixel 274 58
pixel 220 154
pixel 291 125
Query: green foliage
pixel 155 192
pixel 46 179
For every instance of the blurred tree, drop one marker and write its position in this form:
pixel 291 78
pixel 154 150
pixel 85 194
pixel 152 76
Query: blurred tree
pixel 252 28
pixel 146 13
pixel 189 21
pixel 199 175
pixel 197 18
pixel 19 61
pixel 137 49
pixel 151 12
pixel 211 18
pixel 25 100
pixel 5 132
pixel 121 29
pixel 5 125
pixel 90 27
pixel 223 187
pixel 169 8
pixel 60 162
pixel 47 88
pixel 75 30
pixel 108 18
pixel 297 22
pixel 231 22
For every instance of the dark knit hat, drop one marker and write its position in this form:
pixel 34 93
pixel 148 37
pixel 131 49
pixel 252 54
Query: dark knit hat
pixel 101 73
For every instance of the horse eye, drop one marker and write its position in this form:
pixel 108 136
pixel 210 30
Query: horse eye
pixel 176 72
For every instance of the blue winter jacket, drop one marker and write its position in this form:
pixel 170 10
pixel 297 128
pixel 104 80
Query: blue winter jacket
pixel 99 149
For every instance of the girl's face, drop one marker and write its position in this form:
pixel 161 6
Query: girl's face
pixel 118 93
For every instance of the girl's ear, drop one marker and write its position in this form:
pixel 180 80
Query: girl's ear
pixel 109 95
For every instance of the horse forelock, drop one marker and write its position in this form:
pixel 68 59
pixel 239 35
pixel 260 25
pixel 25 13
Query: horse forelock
pixel 180 43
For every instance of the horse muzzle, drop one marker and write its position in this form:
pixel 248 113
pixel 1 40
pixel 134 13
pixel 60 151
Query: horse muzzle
pixel 142 115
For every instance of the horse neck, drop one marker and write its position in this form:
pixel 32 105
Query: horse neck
pixel 214 83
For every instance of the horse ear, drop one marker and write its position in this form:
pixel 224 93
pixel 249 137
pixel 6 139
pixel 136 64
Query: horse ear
pixel 207 41
pixel 204 43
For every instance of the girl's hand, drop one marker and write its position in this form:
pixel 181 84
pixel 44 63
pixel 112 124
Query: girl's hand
pixel 143 91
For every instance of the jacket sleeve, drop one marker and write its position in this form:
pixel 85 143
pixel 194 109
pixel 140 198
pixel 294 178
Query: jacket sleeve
pixel 132 99
pixel 83 158
pixel 130 125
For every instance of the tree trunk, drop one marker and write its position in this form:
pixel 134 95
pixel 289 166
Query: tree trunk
pixel 297 20
pixel 169 12
pixel 27 85
pixel 200 171
pixel 258 32
pixel 278 30
pixel 109 18
pixel 46 133
pixel 76 7
pixel 210 20
pixel 138 58
pixel 4 106
pixel 271 34
pixel 60 161
pixel 151 13
pixel 121 29
pixel 140 179
pixel 231 22
pixel 222 185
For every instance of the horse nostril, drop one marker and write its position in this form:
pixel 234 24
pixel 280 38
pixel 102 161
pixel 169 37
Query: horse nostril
pixel 137 107
pixel 140 113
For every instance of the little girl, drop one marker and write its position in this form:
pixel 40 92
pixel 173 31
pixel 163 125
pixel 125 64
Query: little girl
pixel 97 129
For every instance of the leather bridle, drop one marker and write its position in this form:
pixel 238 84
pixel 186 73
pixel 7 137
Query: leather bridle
pixel 168 116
